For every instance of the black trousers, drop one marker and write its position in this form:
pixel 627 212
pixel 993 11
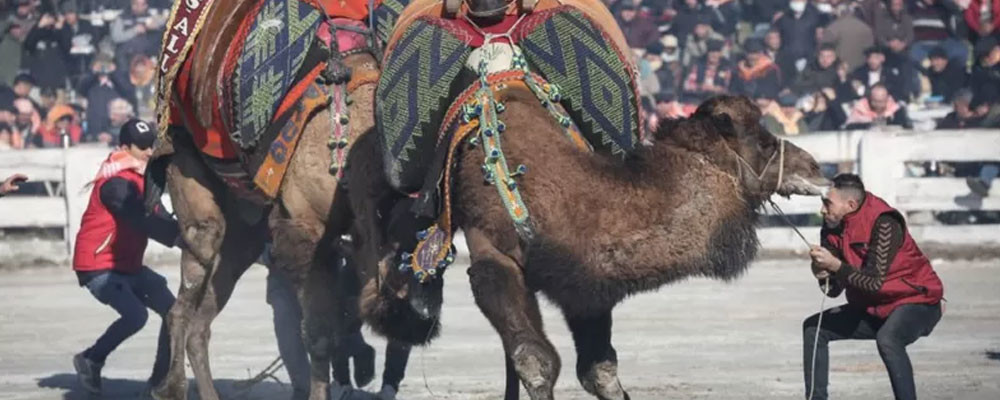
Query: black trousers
pixel 905 325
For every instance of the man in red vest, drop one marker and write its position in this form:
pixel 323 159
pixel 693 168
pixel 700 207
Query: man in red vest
pixel 109 251
pixel 893 294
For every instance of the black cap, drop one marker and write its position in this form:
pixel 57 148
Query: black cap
pixel 137 132
pixel 937 52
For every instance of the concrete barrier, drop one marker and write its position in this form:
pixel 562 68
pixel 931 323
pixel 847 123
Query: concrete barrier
pixel 879 157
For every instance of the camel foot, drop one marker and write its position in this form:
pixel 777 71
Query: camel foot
pixel 364 366
pixel 168 391
pixel 536 370
pixel 602 381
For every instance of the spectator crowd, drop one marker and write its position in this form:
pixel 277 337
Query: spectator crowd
pixel 820 65
pixel 76 70
pixel 79 69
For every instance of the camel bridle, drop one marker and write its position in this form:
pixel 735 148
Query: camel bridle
pixel 778 154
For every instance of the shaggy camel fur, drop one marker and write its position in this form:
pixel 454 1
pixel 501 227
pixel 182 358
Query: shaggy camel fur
pixel 604 229
pixel 221 245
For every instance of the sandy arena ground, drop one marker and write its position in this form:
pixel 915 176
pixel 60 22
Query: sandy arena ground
pixel 699 339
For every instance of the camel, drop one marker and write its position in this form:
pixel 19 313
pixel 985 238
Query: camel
pixel 604 229
pixel 225 233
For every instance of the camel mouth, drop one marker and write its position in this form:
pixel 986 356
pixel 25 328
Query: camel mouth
pixel 797 185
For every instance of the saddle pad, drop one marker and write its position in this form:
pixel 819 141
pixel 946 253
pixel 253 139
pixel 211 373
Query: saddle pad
pixel 385 17
pixel 599 88
pixel 271 48
pixel 418 83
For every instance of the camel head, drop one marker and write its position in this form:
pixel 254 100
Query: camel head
pixel 764 164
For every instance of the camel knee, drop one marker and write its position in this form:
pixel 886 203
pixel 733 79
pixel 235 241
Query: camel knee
pixel 204 239
pixel 601 380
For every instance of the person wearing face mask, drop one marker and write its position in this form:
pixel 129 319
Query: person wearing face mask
pixel 893 294
pixel 799 27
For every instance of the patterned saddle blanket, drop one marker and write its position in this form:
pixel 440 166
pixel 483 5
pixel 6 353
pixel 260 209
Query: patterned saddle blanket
pixel 246 113
pixel 573 44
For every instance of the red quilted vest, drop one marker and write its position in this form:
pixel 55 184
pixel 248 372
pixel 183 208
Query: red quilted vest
pixel 103 242
pixel 910 279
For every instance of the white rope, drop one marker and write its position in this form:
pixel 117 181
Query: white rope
pixel 819 324
pixel 822 302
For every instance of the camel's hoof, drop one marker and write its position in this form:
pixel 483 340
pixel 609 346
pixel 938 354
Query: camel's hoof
pixel 164 392
pixel 535 369
pixel 364 366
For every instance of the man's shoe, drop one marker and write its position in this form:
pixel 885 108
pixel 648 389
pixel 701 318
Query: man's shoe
pixel 89 373
pixel 978 186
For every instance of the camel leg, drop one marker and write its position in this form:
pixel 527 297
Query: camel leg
pixel 501 294
pixel 352 343
pixel 396 357
pixel 512 389
pixel 307 257
pixel 241 246
pixel 597 361
pixel 194 196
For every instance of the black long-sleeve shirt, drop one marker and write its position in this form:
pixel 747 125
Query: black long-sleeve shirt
pixel 886 239
pixel 122 199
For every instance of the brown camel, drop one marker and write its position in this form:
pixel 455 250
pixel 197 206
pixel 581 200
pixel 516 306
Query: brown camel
pixel 604 228
pixel 222 244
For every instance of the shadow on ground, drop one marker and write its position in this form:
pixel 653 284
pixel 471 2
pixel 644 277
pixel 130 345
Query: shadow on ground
pixel 993 355
pixel 121 389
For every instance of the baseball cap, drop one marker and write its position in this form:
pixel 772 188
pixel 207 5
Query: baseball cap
pixel 137 132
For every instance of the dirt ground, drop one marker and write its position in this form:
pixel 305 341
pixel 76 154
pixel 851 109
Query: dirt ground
pixel 698 339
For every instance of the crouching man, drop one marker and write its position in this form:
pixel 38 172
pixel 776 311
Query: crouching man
pixel 109 252
pixel 893 294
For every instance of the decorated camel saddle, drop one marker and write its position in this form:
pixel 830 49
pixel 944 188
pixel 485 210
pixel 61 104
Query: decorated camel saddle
pixel 432 58
pixel 244 77
pixel 446 73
